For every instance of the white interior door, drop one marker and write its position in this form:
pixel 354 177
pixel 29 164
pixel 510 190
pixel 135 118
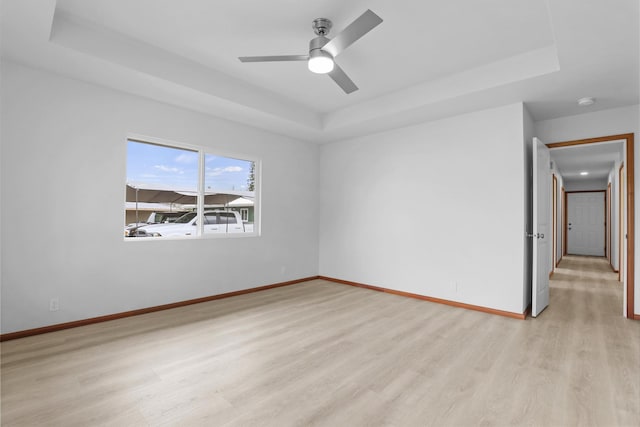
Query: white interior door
pixel 585 224
pixel 541 227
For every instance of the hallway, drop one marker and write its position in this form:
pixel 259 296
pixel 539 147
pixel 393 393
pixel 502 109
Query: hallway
pixel 586 287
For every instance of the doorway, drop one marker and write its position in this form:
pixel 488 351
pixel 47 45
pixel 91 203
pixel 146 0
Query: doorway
pixel 586 223
pixel 627 225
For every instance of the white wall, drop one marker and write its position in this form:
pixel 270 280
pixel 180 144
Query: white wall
pixel 585 185
pixel 591 125
pixel 63 155
pixel 435 209
pixel 63 178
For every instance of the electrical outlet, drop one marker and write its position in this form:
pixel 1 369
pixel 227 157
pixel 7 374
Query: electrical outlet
pixel 54 304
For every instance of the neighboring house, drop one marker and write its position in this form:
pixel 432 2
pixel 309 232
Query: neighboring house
pixel 245 207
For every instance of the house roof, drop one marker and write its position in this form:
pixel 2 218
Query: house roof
pixel 241 202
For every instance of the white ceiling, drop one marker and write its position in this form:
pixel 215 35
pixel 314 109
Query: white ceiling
pixel 596 159
pixel 427 60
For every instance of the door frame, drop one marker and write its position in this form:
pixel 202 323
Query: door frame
pixel 566 226
pixel 554 213
pixel 564 221
pixel 629 164
pixel 620 233
pixel 607 225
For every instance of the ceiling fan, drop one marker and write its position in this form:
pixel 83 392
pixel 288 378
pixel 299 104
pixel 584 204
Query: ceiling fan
pixel 323 50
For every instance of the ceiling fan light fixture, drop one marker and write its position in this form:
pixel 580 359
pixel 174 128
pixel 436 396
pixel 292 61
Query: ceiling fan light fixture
pixel 320 62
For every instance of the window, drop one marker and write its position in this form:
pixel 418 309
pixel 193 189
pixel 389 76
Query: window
pixel 170 187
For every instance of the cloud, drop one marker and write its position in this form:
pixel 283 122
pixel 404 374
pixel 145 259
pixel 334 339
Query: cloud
pixel 233 169
pixel 220 171
pixel 168 169
pixel 187 158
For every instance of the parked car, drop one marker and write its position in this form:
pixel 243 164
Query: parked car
pixel 153 218
pixel 163 217
pixel 217 221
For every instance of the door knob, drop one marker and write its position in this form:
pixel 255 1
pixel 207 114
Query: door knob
pixel 537 236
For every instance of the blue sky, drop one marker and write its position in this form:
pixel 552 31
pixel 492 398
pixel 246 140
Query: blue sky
pixel 160 167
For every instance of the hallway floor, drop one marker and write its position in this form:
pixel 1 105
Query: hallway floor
pixel 587 286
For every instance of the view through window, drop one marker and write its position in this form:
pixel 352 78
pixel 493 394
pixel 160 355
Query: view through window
pixel 170 188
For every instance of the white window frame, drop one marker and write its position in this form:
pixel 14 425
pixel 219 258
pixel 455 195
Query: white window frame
pixel 244 214
pixel 202 152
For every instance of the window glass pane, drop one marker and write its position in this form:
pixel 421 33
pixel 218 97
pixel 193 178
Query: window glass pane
pixel 186 218
pixel 210 218
pixel 162 183
pixel 230 184
pixel 228 218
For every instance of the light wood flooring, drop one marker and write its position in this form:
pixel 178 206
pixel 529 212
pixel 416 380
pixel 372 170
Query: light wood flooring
pixel 321 353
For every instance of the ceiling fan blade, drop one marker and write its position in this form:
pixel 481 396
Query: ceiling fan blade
pixel 341 78
pixel 273 58
pixel 358 28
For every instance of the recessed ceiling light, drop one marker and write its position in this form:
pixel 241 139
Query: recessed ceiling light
pixel 584 173
pixel 585 102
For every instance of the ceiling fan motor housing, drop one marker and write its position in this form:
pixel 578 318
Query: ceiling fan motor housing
pixel 316 43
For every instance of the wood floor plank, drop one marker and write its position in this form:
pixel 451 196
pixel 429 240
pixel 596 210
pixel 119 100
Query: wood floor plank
pixel 325 354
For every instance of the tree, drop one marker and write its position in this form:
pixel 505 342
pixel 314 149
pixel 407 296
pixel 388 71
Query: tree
pixel 251 180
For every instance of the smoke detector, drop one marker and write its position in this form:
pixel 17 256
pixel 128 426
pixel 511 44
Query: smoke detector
pixel 585 102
